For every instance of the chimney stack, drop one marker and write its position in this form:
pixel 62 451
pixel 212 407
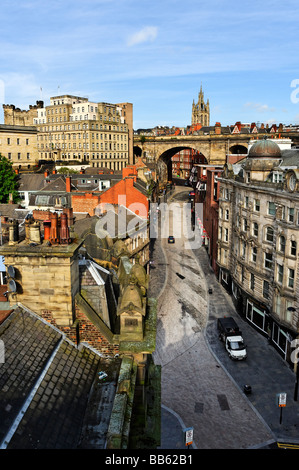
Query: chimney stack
pixel 64 230
pixel 68 184
pixel 34 233
pixel 54 239
pixel 47 229
pixel 13 232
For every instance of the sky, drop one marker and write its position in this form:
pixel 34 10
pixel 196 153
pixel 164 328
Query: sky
pixel 156 55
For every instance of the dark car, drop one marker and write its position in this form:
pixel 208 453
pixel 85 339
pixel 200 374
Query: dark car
pixel 171 239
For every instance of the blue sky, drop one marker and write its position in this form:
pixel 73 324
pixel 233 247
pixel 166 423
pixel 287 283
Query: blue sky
pixel 155 54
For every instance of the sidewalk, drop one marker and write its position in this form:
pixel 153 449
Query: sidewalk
pixel 264 369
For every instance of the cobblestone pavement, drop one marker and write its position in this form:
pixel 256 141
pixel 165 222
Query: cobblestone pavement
pixel 201 388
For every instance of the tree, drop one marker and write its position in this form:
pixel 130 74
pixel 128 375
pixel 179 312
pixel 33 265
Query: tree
pixel 8 181
pixel 64 170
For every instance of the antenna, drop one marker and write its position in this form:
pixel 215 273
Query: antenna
pixel 11 271
pixel 12 286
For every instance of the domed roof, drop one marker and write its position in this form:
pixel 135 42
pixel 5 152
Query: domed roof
pixel 265 148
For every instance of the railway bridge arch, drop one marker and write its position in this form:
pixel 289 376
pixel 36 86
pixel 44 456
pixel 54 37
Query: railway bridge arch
pixel 214 149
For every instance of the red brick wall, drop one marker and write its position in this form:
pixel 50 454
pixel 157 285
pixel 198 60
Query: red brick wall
pixel 85 202
pixel 88 333
pixel 41 215
pixel 210 211
pixel 125 193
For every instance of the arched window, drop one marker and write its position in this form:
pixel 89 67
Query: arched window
pixel 269 234
pixel 282 243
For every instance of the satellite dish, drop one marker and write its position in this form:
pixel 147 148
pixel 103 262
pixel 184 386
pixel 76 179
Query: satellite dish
pixel 12 286
pixel 11 271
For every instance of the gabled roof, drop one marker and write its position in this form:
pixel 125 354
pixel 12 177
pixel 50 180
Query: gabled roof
pixel 8 210
pixel 48 387
pixel 57 185
pixel 31 182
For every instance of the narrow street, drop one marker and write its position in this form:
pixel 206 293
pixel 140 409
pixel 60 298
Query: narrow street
pixel 196 390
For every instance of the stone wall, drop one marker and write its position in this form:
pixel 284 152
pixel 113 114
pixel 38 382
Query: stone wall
pixel 46 281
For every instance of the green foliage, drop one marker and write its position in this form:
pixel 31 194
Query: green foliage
pixel 65 170
pixel 8 181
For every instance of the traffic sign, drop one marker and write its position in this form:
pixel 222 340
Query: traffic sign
pixel 188 433
pixel 282 399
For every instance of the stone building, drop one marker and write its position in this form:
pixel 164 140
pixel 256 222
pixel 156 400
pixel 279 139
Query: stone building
pixel 18 143
pixel 73 128
pixel 201 111
pixel 21 117
pixel 258 239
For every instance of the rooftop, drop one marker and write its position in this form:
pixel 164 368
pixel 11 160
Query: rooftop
pixel 51 394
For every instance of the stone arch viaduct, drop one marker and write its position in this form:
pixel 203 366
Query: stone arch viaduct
pixel 215 148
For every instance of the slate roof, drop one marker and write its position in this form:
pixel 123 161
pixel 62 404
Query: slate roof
pixel 119 224
pixel 48 388
pixel 31 182
pixel 8 210
pixel 290 158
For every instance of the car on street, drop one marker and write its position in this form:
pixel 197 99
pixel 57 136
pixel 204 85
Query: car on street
pixel 171 239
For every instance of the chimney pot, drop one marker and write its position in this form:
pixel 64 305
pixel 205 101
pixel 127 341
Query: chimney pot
pixel 68 184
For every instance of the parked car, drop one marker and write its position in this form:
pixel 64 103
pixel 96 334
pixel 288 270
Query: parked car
pixel 231 335
pixel 171 239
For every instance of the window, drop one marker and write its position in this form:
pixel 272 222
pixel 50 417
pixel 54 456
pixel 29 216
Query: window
pixel 254 254
pixel 268 260
pixel 246 202
pixel 266 286
pixel 293 248
pixel 282 243
pixel 226 235
pixel 291 214
pixel 269 234
pixel 255 229
pixel 279 273
pixel 245 226
pixel 257 205
pixel 271 208
pixel 226 214
pixel 291 276
pixel 18 141
pixel 8 141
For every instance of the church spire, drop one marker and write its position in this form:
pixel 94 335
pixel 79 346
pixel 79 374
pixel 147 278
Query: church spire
pixel 201 110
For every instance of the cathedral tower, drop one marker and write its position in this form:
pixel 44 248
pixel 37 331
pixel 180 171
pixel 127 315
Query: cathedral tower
pixel 201 111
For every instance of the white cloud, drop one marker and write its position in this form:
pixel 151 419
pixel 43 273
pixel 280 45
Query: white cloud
pixel 149 33
pixel 260 108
